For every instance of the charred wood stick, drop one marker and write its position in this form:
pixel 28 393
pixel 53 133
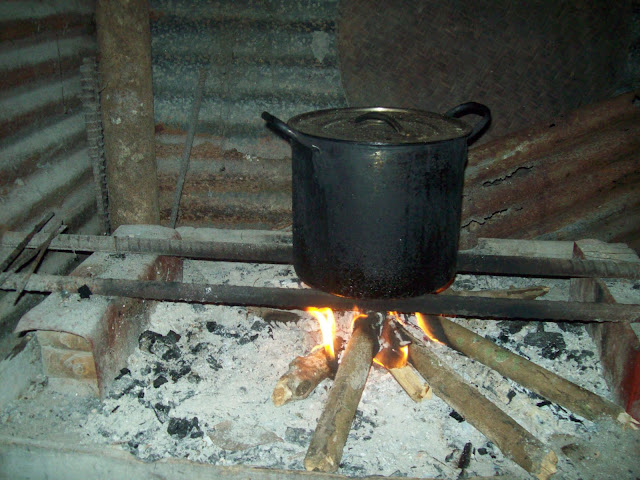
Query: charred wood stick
pixel 510 437
pixel 325 451
pixel 468 262
pixel 291 299
pixel 528 293
pixel 528 374
pixel 303 376
pixel 411 382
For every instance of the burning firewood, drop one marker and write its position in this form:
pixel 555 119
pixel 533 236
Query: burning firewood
pixel 393 356
pixel 411 382
pixel 325 451
pixel 511 438
pixel 304 375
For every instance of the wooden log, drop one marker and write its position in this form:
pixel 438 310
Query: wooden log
pixel 303 376
pixel 411 382
pixel 325 451
pixel 511 438
pixel 534 377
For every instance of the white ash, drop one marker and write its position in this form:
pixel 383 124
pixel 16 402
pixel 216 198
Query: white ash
pixel 200 388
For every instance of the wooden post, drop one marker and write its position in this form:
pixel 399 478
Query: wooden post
pixel 124 41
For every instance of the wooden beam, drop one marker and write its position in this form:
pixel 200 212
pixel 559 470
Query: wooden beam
pixel 124 41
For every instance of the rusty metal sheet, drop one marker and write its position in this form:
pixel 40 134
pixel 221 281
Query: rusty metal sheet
pixel 576 177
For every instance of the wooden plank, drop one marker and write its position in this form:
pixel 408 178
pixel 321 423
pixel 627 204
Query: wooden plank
pixel 618 344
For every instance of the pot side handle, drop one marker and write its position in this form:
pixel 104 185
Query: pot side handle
pixel 476 109
pixel 281 127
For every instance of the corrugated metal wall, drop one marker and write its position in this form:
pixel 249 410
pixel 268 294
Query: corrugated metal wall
pixel 273 55
pixel 43 157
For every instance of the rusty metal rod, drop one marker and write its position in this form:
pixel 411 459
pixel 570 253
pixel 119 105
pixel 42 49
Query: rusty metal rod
pixel 186 152
pixel 468 262
pixel 283 298
pixel 22 244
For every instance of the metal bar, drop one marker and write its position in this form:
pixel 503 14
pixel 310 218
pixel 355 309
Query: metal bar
pixel 289 299
pixel 258 253
pixel 186 152
pixel 22 244
pixel 545 267
pixel 468 262
pixel 42 249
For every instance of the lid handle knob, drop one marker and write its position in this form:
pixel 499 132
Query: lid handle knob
pixel 382 118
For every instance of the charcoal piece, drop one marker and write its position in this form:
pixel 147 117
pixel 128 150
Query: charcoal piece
pixel 217 329
pixel 510 395
pixel 84 291
pixel 161 411
pixel 213 363
pixel 181 427
pixel 551 344
pixel 482 451
pixel 299 436
pixel 449 457
pixel 158 381
pixel 214 327
pixel 361 420
pixel 132 388
pixel 177 374
pixel 140 394
pixel 199 347
pixel 465 457
pixel 455 415
pixel 123 372
pixel 162 408
pixel 159 367
pixel 173 336
pixel 258 326
pixel 543 403
pixel 247 338
pixel 171 353
pixel 163 346
pixel 511 327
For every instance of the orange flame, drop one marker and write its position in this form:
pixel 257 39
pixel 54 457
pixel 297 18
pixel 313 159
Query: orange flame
pixel 425 328
pixel 327 327
pixel 391 354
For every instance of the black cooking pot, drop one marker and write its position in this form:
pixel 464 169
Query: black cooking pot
pixel 377 196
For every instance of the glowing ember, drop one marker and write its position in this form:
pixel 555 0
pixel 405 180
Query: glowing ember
pixel 425 328
pixel 327 327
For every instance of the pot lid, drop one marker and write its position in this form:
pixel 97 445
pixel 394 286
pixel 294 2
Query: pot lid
pixel 380 125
